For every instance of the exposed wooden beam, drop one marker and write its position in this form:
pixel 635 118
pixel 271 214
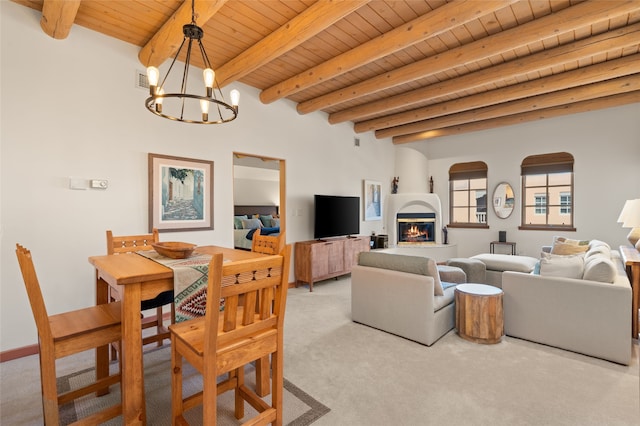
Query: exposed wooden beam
pixel 442 19
pixel 307 24
pixel 599 44
pixel 566 20
pixel 166 41
pixel 592 74
pixel 576 94
pixel 58 16
pixel 575 108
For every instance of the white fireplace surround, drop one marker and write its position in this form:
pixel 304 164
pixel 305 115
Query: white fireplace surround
pixel 412 203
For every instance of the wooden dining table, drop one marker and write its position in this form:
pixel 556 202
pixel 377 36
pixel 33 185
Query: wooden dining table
pixel 138 278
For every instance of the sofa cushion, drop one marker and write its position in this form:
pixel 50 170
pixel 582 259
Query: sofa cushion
pixel 564 246
pixel 507 262
pixel 567 266
pixel 599 268
pixel 403 263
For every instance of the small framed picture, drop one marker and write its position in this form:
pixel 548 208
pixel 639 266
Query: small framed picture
pixel 180 193
pixel 372 200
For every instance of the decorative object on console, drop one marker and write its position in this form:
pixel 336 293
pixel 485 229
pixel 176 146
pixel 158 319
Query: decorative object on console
pixel 176 106
pixel 502 236
pixel 630 218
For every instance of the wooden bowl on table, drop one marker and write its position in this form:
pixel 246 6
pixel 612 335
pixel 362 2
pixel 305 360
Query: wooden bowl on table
pixel 174 250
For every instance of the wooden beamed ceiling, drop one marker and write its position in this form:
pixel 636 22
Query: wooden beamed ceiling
pixel 410 70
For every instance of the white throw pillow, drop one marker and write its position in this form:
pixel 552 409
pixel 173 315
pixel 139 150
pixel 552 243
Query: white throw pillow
pixel 599 268
pixel 571 266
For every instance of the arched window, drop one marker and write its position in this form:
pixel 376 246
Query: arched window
pixel 547 188
pixel 468 195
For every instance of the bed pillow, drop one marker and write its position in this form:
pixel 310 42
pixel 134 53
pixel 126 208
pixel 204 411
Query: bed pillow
pixel 237 221
pixel 266 219
pixel 565 246
pixel 275 223
pixel 251 223
pixel 567 266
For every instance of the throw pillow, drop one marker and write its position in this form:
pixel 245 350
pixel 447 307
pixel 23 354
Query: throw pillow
pixel 399 262
pixel 598 243
pixel 566 246
pixel 597 251
pixel 599 268
pixel 237 221
pixel 275 223
pixel 251 223
pixel 266 220
pixel 571 266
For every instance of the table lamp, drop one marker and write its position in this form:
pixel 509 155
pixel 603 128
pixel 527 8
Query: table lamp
pixel 630 218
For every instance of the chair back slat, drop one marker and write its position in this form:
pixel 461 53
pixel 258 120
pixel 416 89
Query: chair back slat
pixel 131 243
pixel 34 292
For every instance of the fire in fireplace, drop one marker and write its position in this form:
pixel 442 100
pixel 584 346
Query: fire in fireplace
pixel 416 228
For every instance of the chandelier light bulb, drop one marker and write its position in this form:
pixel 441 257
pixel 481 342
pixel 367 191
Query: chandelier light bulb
pixel 209 76
pixel 153 75
pixel 159 100
pixel 235 97
pixel 204 106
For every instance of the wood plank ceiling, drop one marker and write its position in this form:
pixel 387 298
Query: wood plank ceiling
pixel 411 70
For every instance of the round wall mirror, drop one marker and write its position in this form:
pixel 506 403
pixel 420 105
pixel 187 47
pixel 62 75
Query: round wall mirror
pixel 503 200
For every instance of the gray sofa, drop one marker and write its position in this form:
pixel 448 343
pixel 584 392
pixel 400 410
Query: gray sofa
pixel 403 295
pixel 588 316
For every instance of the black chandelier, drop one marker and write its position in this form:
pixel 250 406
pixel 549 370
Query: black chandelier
pixel 179 106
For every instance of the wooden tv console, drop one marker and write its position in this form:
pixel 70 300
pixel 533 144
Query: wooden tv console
pixel 317 260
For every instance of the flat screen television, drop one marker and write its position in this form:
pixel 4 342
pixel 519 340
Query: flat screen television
pixel 336 216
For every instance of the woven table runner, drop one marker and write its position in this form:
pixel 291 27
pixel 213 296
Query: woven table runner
pixel 190 279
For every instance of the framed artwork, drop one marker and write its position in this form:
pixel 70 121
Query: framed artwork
pixel 180 193
pixel 372 200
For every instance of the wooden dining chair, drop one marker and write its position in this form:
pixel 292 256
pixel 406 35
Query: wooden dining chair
pixel 224 341
pixel 66 334
pixel 133 243
pixel 266 244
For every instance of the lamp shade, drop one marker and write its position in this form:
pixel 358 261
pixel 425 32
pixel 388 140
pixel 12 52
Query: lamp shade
pixel 630 214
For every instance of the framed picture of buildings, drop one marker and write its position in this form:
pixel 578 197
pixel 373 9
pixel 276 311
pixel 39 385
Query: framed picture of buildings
pixel 180 193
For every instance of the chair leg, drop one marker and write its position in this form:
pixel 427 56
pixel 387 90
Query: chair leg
pixel 263 381
pixel 176 385
pixel 159 321
pixel 239 400
pixel 49 387
pixel 277 387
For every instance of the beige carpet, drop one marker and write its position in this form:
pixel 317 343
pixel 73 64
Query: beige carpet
pixel 299 408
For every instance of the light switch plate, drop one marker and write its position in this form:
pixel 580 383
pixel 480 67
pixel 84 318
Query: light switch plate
pixel 78 183
pixel 99 183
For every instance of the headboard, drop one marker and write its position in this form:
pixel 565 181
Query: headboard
pixel 251 210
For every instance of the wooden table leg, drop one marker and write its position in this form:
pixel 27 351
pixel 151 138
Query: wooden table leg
pixel 102 353
pixel 133 399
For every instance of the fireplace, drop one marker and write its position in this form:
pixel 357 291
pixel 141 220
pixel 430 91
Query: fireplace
pixel 416 229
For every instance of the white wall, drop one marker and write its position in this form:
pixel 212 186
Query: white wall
pixel 70 108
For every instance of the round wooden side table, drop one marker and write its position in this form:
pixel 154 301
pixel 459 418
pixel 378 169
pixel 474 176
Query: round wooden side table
pixel 479 313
